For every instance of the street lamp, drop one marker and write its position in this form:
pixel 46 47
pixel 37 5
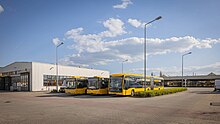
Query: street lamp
pixel 145 49
pixel 57 64
pixel 182 66
pixel 122 67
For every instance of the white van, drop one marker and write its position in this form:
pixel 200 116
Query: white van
pixel 217 85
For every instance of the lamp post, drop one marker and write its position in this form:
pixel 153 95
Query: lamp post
pixel 145 50
pixel 182 66
pixel 122 67
pixel 57 64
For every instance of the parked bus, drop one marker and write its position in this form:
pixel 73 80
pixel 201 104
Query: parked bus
pixel 125 84
pixel 154 83
pixel 76 85
pixel 128 84
pixel 97 85
pixel 158 83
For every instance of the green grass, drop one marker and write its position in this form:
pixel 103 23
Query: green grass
pixel 53 91
pixel 152 93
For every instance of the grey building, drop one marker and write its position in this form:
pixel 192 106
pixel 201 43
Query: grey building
pixel 192 81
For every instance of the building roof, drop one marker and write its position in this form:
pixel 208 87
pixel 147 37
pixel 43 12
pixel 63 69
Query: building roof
pixel 210 76
pixel 125 74
pixel 44 63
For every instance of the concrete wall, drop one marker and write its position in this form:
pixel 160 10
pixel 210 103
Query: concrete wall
pixel 40 69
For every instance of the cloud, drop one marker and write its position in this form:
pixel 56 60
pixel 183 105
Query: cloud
pixel 56 41
pixel 134 22
pixel 99 49
pixel 174 70
pixel 1 9
pixel 123 5
pixel 94 42
pixel 137 23
pixel 114 26
pixel 93 49
pixel 203 69
pixel 208 43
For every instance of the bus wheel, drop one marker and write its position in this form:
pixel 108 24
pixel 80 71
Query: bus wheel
pixel 132 93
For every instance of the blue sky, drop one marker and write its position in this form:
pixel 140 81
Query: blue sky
pixel 102 33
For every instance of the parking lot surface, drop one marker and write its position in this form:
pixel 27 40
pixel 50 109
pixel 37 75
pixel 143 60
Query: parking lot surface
pixel 195 106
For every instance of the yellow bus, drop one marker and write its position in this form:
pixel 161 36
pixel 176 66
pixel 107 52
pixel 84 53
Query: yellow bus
pixel 76 85
pixel 125 84
pixel 154 83
pixel 128 84
pixel 97 85
pixel 158 83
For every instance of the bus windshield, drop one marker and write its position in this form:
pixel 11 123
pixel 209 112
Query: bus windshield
pixel 81 83
pixel 116 84
pixel 71 83
pixel 93 83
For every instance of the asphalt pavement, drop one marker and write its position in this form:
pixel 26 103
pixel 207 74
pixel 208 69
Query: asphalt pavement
pixel 195 106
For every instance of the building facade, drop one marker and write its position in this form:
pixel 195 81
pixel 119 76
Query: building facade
pixel 191 81
pixel 35 76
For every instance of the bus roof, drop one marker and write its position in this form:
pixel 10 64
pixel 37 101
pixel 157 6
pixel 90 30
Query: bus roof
pixel 97 77
pixel 132 74
pixel 159 78
pixel 125 74
pixel 77 77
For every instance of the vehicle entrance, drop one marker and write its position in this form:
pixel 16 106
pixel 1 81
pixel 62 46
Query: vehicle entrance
pixel 20 82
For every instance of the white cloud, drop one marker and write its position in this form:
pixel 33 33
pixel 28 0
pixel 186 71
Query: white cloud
pixel 115 27
pixel 94 42
pixel 123 5
pixel 1 9
pixel 203 69
pixel 56 41
pixel 174 70
pixel 134 22
pixel 89 49
pixel 93 50
pixel 207 43
pixel 137 23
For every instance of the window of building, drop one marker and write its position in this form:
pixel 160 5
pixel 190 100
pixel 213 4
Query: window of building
pixel 50 80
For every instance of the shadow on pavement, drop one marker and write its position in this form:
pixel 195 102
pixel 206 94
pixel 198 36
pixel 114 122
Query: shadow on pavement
pixel 78 96
pixel 206 92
